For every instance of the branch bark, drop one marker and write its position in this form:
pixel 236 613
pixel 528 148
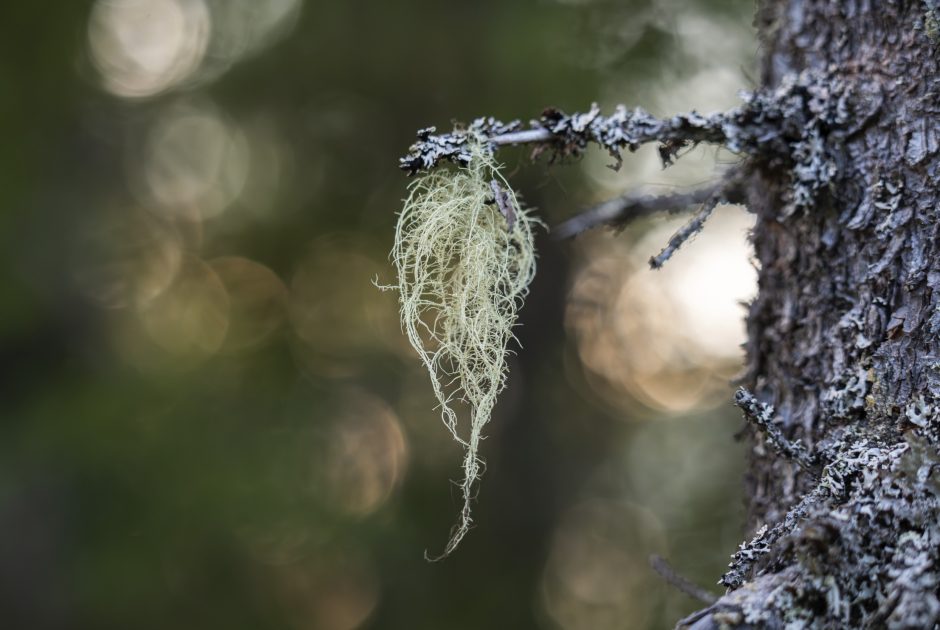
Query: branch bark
pixel 780 124
pixel 619 211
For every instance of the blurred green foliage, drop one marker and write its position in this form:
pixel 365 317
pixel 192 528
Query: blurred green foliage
pixel 157 474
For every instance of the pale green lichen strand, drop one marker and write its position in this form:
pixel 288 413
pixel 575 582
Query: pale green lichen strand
pixel 462 276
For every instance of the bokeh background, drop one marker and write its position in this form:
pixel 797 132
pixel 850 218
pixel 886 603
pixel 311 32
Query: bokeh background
pixel 210 418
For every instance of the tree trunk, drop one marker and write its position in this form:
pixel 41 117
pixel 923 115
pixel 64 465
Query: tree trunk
pixel 844 337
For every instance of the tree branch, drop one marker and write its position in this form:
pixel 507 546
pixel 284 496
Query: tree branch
pixel 665 571
pixel 785 127
pixel 761 415
pixel 781 123
pixel 621 210
pixel 686 232
pixel 569 135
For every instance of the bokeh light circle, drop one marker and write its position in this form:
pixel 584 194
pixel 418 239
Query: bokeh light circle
pixel 195 163
pixel 144 47
pixel 190 319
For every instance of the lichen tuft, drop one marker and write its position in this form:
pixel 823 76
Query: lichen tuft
pixel 463 271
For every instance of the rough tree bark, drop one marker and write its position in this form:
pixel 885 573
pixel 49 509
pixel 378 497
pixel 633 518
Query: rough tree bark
pixel 844 338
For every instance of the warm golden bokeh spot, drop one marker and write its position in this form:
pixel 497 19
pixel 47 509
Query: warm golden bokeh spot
pixel 364 457
pixel 195 163
pixel 597 576
pixel 257 301
pixel 332 591
pixel 338 316
pixel 190 319
pixel 669 338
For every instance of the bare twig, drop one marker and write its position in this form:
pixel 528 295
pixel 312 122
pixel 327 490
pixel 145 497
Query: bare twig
pixel 623 209
pixel 731 190
pixel 686 232
pixel 626 208
pixel 699 620
pixel 665 571
pixel 762 416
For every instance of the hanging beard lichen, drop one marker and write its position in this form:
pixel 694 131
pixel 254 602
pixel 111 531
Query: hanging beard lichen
pixel 465 257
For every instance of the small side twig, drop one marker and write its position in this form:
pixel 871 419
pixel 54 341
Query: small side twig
pixel 762 416
pixel 731 190
pixel 686 232
pixel 625 208
pixel 665 571
pixel 749 553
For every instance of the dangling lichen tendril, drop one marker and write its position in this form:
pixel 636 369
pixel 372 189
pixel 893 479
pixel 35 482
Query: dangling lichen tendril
pixel 463 271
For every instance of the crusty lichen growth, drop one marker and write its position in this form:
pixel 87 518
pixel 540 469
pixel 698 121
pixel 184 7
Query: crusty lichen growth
pixel 796 127
pixel 931 23
pixel 463 271
pixel 860 550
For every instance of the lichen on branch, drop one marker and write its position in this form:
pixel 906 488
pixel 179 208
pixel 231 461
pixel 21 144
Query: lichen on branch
pixel 464 245
pixel 465 256
pixel 796 126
